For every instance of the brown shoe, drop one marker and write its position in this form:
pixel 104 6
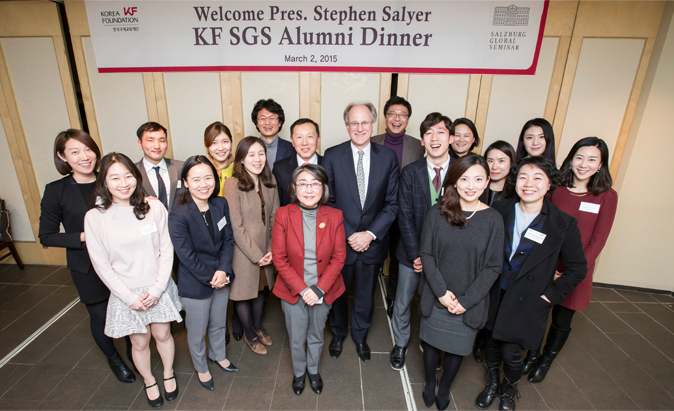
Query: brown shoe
pixel 255 345
pixel 264 337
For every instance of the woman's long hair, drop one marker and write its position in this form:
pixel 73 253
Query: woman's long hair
pixel 450 204
pixel 548 134
pixel 508 150
pixel 601 181
pixel 246 182
pixel 137 200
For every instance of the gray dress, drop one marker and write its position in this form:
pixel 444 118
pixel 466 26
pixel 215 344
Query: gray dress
pixel 465 261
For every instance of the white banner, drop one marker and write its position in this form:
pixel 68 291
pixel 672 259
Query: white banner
pixel 474 37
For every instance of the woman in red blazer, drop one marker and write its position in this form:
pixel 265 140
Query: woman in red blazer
pixel 308 249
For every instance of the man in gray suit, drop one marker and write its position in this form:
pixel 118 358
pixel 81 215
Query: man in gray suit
pixel 161 176
pixel 408 149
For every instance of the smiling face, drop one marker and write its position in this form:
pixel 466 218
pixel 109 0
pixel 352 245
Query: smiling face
pixel 268 124
pixel 221 148
pixel 499 165
pixel 436 141
pixel 307 195
pixel 305 140
pixel 585 163
pixel 200 182
pixel 532 184
pixel 534 141
pixel 79 157
pixel 471 184
pixel 397 118
pixel 463 140
pixel 255 159
pixel 154 145
pixel 360 126
pixel 120 183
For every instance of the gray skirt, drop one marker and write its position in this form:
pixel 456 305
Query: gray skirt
pixel 447 332
pixel 121 320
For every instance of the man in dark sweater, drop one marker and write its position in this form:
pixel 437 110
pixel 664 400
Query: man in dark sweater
pixel 408 149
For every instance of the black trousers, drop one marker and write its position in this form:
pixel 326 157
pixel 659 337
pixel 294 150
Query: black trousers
pixel 364 279
pixel 394 239
pixel 562 317
pixel 510 354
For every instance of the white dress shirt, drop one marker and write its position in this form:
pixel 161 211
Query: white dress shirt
pixel 443 172
pixel 152 176
pixel 313 160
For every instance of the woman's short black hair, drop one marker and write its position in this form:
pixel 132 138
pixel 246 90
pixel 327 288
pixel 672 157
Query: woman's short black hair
pixel 316 171
pixel 468 123
pixel 183 192
pixel 601 181
pixel 541 162
pixel 271 106
pixel 548 134
pixel 60 147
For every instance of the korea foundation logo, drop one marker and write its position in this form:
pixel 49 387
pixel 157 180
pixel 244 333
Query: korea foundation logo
pixel 512 16
pixel 124 20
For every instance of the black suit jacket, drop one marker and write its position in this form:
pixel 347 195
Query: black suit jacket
pixel 412 148
pixel 200 256
pixel 62 202
pixel 283 171
pixel 174 167
pixel 522 316
pixel 414 201
pixel 381 203
pixel 285 149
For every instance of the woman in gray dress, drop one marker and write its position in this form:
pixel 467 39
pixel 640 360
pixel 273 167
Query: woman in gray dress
pixel 461 255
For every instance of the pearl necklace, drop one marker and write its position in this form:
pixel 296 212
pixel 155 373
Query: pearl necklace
pixel 474 211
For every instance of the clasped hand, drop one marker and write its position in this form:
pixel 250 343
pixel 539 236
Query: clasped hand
pixel 360 241
pixel 310 297
pixel 265 260
pixel 219 279
pixel 450 301
pixel 145 302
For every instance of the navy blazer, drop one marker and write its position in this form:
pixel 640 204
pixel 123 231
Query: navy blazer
pixel 381 200
pixel 285 149
pixel 414 201
pixel 200 257
pixel 283 171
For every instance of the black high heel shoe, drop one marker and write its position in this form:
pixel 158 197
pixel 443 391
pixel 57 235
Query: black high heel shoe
pixel 157 402
pixel 230 368
pixel 429 399
pixel 171 396
pixel 207 384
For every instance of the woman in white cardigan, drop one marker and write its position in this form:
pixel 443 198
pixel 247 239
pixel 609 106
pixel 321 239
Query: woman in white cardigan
pixel 130 248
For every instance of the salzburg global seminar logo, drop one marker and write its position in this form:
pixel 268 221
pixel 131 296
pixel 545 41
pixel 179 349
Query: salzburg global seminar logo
pixel 511 16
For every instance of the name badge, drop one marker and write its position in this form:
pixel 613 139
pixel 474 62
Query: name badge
pixel 589 207
pixel 534 235
pixel 148 229
pixel 179 184
pixel 222 223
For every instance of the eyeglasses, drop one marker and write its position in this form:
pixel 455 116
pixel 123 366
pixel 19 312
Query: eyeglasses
pixel 401 116
pixel 355 124
pixel 267 118
pixel 304 186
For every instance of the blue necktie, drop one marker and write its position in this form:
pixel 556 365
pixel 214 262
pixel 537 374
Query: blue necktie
pixel 161 187
pixel 360 178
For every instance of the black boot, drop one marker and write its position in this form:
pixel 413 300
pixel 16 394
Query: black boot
pixel 554 344
pixel 480 348
pixel 509 394
pixel 530 361
pixel 491 391
pixel 119 368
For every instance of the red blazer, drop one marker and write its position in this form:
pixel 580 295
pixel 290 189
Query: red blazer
pixel 287 248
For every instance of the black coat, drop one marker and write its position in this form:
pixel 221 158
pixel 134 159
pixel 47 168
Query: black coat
pixel 381 200
pixel 522 316
pixel 200 256
pixel 283 171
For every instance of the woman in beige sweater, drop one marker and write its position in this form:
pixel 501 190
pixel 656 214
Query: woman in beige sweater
pixel 130 248
pixel 253 199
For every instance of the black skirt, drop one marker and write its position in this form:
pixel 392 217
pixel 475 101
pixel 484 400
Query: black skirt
pixel 89 286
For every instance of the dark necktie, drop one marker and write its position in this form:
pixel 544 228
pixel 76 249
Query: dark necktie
pixel 437 181
pixel 161 188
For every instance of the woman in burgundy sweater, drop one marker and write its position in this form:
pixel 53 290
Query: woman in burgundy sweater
pixel 585 193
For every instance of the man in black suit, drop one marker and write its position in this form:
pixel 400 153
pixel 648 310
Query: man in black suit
pixel 304 135
pixel 408 149
pixel 364 186
pixel 420 188
pixel 161 175
pixel 268 117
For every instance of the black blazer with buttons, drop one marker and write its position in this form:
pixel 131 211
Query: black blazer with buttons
pixel 283 171
pixel 200 256
pixel 522 316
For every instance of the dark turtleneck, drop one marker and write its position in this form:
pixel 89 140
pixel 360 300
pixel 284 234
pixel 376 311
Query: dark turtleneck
pixel 395 143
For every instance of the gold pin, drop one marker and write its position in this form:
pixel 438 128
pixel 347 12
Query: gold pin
pixel 321 225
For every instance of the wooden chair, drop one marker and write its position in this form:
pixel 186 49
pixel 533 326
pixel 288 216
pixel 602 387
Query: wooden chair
pixel 6 240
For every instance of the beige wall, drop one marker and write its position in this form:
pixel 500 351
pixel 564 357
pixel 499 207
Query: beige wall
pixel 639 250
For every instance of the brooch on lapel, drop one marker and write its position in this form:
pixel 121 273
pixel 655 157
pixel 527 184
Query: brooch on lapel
pixel 321 225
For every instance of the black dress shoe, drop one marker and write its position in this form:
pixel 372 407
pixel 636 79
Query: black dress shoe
pixel 316 383
pixel 119 368
pixel 441 402
pixel 237 335
pixel 389 307
pixel 157 402
pixel 397 357
pixel 363 351
pixel 428 395
pixel 298 384
pixel 335 348
pixel 171 396
pixel 207 384
pixel 230 368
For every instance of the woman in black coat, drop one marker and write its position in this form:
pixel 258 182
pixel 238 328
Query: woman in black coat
pixel 66 201
pixel 538 236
